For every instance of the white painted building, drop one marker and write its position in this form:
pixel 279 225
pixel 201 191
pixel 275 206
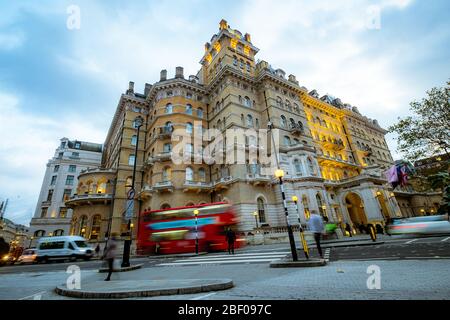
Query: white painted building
pixel 52 217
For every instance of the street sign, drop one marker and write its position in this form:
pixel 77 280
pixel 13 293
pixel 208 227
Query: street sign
pixel 130 209
pixel 130 194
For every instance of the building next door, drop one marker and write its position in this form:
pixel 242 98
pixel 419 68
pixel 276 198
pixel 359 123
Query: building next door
pixel 355 208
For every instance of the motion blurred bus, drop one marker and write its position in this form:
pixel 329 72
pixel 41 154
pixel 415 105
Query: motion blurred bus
pixel 172 230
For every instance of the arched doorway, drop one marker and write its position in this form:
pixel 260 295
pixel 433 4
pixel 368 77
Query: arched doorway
pixel 355 208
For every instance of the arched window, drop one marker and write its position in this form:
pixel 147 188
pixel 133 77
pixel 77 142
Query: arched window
pixel 39 233
pixel 240 99
pixel 95 227
pixel 83 226
pixel 283 122
pixel 288 105
pixel 292 123
pixel 167 147
pixel 58 232
pixel 305 203
pixel 298 167
pixel 261 210
pixel 169 108
pixel 201 175
pixel 165 206
pixel 242 119
pixel 189 128
pixel 249 120
pixel 168 127
pixel 101 186
pixel 257 123
pixel 188 109
pixel 287 141
pixel 189 174
pixel 235 61
pixel 133 140
pixel 247 102
pixel 279 102
pixel 167 174
pixel 200 112
pixel 320 203
pixel 311 167
pixel 296 141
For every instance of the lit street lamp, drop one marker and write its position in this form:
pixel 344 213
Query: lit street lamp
pixel 31 240
pixel 255 214
pixel 196 231
pixel 138 122
pixel 279 174
pixel 302 236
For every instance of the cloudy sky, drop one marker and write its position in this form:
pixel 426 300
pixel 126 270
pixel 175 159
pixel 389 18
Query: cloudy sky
pixel 57 81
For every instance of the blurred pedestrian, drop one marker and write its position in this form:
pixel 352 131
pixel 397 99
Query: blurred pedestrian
pixel 97 249
pixel 110 254
pixel 348 229
pixel 315 225
pixel 231 238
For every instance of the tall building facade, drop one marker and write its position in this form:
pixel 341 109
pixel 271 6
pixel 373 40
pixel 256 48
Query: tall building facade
pixel 205 138
pixel 52 216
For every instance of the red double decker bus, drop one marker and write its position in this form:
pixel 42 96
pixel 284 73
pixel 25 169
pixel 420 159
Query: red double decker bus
pixel 172 230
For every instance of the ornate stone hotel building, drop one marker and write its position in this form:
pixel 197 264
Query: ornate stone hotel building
pixel 332 155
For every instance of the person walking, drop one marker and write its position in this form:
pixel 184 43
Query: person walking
pixel 231 238
pixel 315 225
pixel 110 254
pixel 97 249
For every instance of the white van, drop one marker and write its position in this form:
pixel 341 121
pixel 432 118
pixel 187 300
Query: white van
pixel 62 248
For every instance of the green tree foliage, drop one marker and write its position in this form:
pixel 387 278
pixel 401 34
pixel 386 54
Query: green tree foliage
pixel 427 132
pixel 441 181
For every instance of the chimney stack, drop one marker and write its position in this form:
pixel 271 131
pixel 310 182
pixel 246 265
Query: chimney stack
pixel 147 88
pixel 163 76
pixel 130 87
pixel 179 72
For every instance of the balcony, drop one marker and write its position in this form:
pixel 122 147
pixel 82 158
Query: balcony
pixel 164 186
pixel 89 199
pixel 296 128
pixel 257 179
pixel 197 186
pixel 165 132
pixel 333 144
pixel 223 183
pixel 146 192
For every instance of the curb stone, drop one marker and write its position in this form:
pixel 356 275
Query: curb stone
pixel 120 294
pixel 130 268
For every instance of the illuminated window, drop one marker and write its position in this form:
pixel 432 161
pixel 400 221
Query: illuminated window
pixel 83 226
pixel 63 212
pixel 305 206
pixel 95 227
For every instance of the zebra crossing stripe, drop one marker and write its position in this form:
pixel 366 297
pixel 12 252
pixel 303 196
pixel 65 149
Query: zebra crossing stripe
pixel 217 262
pixel 327 254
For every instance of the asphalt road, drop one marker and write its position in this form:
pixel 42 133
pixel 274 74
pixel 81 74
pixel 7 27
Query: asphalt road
pixel 397 249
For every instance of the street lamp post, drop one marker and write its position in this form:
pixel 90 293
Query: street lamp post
pixel 127 245
pixel 302 236
pixel 196 231
pixel 279 174
pixel 255 214
pixel 31 240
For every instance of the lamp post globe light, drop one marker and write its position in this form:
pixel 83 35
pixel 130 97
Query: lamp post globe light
pixel 279 173
pixel 138 122
pixel 196 212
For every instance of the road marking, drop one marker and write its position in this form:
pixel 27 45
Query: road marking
pixel 411 241
pixel 327 254
pixel 36 296
pixel 205 296
pixel 445 239
pixel 234 258
pixel 242 254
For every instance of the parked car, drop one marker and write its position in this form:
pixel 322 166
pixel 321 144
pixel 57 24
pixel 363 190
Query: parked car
pixel 438 224
pixel 28 256
pixel 63 248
